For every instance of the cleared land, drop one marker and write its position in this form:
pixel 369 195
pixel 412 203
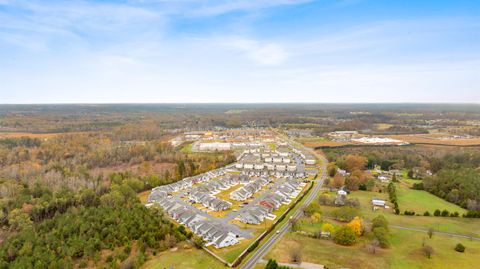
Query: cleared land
pixel 436 139
pixel 184 258
pixel 31 135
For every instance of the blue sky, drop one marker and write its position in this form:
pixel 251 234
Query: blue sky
pixel 161 51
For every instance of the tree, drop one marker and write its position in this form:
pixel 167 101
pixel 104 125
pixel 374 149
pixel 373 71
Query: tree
pixel 328 228
pixel 332 169
pixel 311 209
pixel 338 181
pixel 271 264
pixel 198 241
pixel 382 235
pixel 295 255
pixel 345 213
pixel 460 248
pixel 316 217
pixel 430 232
pixel 19 220
pixel 428 250
pixel 345 236
pixel 380 221
pixel 373 245
pixel 356 226
pixel 355 162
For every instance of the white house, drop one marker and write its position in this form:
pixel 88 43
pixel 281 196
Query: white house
pixel 378 202
pixel 341 192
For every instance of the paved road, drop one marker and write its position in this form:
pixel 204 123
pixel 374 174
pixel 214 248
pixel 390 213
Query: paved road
pixel 263 249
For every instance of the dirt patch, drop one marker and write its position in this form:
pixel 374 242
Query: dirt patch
pixel 139 169
pixel 437 139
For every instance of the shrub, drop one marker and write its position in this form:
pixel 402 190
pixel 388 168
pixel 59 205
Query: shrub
pixel 426 213
pixel 445 213
pixel 417 186
pixel 454 214
pixel 253 247
pixel 409 213
pixel 437 212
pixel 460 248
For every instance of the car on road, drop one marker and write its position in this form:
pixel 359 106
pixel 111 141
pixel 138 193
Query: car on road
pixel 277 232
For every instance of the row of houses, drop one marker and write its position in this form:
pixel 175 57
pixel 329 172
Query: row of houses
pixel 249 190
pixel 277 174
pixel 163 191
pixel 217 234
pixel 224 183
pixel 209 201
pixel 282 195
pixel 266 166
pixel 306 156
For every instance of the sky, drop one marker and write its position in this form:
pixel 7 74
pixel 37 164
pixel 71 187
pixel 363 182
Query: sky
pixel 254 51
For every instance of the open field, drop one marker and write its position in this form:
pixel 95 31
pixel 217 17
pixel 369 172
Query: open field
pixel 405 252
pixel 184 258
pixel 320 142
pixel 436 139
pixel 31 135
pixel 421 201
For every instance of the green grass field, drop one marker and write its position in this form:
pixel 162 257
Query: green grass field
pixel 187 148
pixel 421 201
pixel 405 252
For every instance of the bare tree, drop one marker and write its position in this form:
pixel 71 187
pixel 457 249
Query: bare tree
pixel 428 250
pixel 373 246
pixel 295 256
pixel 430 232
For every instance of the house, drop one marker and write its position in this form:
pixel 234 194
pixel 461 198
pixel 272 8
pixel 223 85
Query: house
pixel 384 178
pixel 248 190
pixel 378 202
pixel 225 240
pixel 239 165
pixel 341 192
pixel 325 234
pixel 255 214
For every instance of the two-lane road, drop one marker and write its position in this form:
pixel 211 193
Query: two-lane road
pixel 263 249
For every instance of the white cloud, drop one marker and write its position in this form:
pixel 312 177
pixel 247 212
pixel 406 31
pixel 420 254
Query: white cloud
pixel 261 52
pixel 212 8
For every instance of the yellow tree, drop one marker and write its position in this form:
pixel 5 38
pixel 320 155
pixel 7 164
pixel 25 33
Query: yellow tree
pixel 316 217
pixel 356 226
pixel 327 227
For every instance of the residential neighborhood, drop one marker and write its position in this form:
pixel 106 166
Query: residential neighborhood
pixel 268 173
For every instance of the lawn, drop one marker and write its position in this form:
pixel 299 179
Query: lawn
pixel 405 252
pixel 421 201
pixel 187 148
pixel 184 258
